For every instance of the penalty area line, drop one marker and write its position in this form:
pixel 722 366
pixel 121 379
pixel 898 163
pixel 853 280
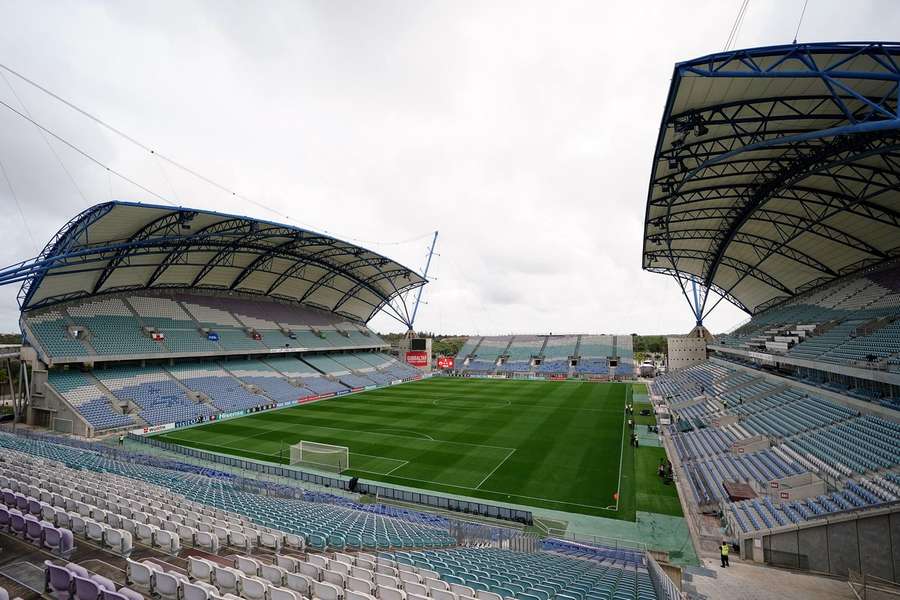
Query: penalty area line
pixel 494 470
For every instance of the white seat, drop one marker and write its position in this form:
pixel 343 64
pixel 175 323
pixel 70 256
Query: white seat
pixel 439 594
pixel 339 567
pixel 360 585
pixel 322 590
pixel 353 595
pixel 292 540
pixel 384 592
pixel 270 541
pixel 483 595
pixel 299 583
pixel 94 531
pixel 437 584
pixel 192 591
pixel 272 573
pixel 416 597
pixel 410 576
pixel 428 574
pixel 166 585
pixel 77 523
pixel 333 577
pixel 138 575
pixel 311 571
pixel 415 588
pixel 248 566
pixel 185 533
pixel 318 560
pixel 361 573
pixel 166 541
pixel 387 580
pixel 119 541
pixel 240 540
pixel 144 533
pixel 462 590
pixel 277 593
pixel 344 558
pixel 254 588
pixel 288 563
pixel 385 570
pixel 220 533
pixel 200 569
pixel 365 563
pixel 129 526
pixel 206 540
pixel 48 513
pixel 226 579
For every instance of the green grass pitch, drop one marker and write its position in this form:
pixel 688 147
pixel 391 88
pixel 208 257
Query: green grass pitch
pixel 557 445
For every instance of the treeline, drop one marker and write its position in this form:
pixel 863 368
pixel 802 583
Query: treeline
pixel 446 345
pixel 10 338
pixel 650 343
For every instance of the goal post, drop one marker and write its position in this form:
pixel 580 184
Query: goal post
pixel 323 457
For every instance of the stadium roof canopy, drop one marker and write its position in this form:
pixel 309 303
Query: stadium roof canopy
pixel 120 246
pixel 776 170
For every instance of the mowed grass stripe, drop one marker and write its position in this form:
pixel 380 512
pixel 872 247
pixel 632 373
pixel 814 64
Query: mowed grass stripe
pixel 553 444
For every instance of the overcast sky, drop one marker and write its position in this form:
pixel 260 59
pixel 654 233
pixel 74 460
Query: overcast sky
pixel 523 131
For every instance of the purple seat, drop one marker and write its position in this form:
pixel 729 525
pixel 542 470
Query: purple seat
pixel 34 507
pixel 130 594
pixel 58 581
pixel 86 589
pixel 59 540
pixel 34 531
pixel 9 498
pixel 22 502
pixel 4 518
pixel 104 583
pixel 17 524
pixel 76 569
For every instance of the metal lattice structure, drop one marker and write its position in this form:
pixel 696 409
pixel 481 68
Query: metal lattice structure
pixel 776 171
pixel 119 246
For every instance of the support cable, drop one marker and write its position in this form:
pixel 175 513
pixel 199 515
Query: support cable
pixel 800 21
pixel 12 191
pixel 736 26
pixel 47 141
pixel 208 180
pixel 88 156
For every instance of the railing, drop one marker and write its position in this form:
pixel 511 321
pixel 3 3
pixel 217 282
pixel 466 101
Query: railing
pixel 590 540
pixel 869 587
pixel 662 583
pixel 338 482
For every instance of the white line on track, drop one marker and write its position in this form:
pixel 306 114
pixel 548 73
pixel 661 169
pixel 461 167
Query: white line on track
pixel 494 470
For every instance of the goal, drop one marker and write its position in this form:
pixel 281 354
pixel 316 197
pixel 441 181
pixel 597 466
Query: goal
pixel 323 457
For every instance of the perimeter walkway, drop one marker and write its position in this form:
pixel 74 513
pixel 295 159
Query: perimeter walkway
pixel 743 581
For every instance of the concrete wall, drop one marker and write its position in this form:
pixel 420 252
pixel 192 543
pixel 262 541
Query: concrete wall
pixel 685 352
pixel 867 541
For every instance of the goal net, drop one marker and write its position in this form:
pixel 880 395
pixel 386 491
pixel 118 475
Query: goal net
pixel 324 457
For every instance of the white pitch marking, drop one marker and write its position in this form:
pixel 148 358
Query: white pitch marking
pixel 494 470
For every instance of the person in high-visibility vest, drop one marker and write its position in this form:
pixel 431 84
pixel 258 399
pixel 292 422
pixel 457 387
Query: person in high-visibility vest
pixel 724 553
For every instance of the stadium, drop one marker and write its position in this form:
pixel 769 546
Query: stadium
pixel 204 411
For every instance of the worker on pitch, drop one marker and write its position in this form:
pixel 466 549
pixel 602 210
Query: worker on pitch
pixel 724 553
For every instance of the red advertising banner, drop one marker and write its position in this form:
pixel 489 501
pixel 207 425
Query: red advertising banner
pixel 417 358
pixel 785 495
pixel 445 362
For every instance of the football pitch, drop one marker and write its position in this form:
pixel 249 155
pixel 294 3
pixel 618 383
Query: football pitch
pixel 557 445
